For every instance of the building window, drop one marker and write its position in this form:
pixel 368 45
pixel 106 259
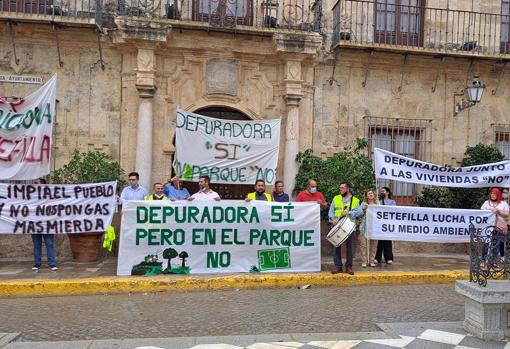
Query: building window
pixel 502 139
pixel 407 137
pixel 399 22
pixel 223 12
pixel 505 26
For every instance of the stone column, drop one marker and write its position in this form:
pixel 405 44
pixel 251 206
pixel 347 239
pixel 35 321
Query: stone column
pixel 145 84
pixel 292 97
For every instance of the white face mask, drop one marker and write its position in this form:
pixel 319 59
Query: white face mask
pixel 313 190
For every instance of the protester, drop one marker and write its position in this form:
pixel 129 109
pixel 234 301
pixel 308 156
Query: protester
pixel 506 198
pixel 344 205
pixel 278 194
pixel 158 193
pixel 498 206
pixel 366 245
pixel 259 193
pixel 48 241
pixel 205 193
pixel 174 190
pixel 134 191
pixel 385 247
pixel 311 194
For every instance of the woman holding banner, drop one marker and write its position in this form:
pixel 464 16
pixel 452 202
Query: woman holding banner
pixel 367 254
pixel 385 247
pixel 497 205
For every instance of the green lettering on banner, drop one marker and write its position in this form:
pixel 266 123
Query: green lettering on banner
pixel 140 234
pixel 218 259
pixel 254 234
pixel 225 237
pixel 276 215
pixel 254 215
pixel 289 208
pixel 141 214
pixel 308 237
pixel 153 237
pixel 217 214
pixel 210 236
pixel 153 216
pixel 166 234
pixel 195 236
pixel 193 213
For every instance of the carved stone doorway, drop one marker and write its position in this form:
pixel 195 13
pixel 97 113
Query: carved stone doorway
pixel 226 191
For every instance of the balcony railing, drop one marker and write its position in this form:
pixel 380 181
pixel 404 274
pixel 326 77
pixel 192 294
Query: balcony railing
pixel 378 23
pixel 296 15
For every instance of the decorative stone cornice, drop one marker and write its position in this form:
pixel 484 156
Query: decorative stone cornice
pixel 141 29
pixel 146 91
pixel 292 100
pixel 306 44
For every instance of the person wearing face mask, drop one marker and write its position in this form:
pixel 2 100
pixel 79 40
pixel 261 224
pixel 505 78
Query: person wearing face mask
pixel 311 194
pixel 134 191
pixel 498 206
pixel 385 247
pixel 260 192
pixel 205 193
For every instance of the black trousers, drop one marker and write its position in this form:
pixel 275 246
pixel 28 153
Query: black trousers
pixel 384 247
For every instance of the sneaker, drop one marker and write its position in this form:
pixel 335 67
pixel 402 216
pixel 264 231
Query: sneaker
pixel 373 264
pixel 363 265
pixel 54 268
pixel 375 261
pixel 35 268
pixel 390 262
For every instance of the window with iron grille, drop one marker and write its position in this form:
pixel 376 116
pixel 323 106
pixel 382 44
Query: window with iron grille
pixel 502 139
pixel 407 137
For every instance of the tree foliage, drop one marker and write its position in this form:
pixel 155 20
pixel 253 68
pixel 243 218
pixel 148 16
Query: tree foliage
pixel 350 165
pixel 89 167
pixel 460 197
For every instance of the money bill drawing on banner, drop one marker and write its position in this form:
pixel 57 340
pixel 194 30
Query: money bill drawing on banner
pixel 26 129
pixel 228 151
pixel 181 237
pixel 56 208
pixel 400 168
pixel 424 224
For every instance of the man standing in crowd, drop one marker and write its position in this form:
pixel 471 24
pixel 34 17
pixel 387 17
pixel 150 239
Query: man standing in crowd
pixel 311 194
pixel 134 191
pixel 344 205
pixel 385 247
pixel 175 190
pixel 205 193
pixel 259 193
pixel 48 241
pixel 158 193
pixel 278 194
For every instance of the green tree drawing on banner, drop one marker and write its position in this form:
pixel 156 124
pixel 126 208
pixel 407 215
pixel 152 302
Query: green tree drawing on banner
pixel 169 253
pixel 183 255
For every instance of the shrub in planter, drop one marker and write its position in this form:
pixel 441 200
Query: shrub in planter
pixel 88 167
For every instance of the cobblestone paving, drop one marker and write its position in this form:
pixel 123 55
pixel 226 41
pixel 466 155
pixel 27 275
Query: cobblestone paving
pixel 229 312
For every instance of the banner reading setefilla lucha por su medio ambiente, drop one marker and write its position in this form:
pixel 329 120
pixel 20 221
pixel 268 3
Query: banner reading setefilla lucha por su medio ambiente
pixel 181 237
pixel 228 151
pixel 26 128
pixel 400 168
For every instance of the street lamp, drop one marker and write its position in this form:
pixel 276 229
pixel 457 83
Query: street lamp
pixel 474 93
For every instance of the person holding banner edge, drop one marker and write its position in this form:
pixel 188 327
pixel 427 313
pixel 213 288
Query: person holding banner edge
pixel 500 208
pixel 260 192
pixel 385 247
pixel 205 193
pixel 344 205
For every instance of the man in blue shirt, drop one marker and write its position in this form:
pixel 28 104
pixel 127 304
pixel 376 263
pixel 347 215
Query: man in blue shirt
pixel 176 191
pixel 134 191
pixel 278 194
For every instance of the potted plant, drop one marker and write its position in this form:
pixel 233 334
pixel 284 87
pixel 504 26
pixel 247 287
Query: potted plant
pixel 88 167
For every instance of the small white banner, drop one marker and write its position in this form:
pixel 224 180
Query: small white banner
pixel 400 168
pixel 228 151
pixel 26 128
pixel 181 237
pixel 424 224
pixel 55 208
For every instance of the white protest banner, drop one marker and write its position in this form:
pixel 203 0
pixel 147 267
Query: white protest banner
pixel 26 128
pixel 424 224
pixel 400 168
pixel 228 151
pixel 181 237
pixel 55 208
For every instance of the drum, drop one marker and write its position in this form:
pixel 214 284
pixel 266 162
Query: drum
pixel 341 231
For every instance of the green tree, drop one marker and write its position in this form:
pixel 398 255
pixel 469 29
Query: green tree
pixel 183 255
pixel 350 165
pixel 479 154
pixel 169 253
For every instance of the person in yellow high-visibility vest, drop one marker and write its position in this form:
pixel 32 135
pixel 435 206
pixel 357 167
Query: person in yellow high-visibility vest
pixel 260 192
pixel 158 193
pixel 343 205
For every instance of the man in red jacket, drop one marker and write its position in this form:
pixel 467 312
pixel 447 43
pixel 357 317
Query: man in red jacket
pixel 311 194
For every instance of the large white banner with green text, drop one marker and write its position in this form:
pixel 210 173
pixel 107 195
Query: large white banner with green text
pixel 163 237
pixel 26 128
pixel 228 151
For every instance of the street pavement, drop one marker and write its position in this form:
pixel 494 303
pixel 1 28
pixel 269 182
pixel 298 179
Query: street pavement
pixel 228 312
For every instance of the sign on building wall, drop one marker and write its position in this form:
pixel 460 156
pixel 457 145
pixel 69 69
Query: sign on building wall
pixel 26 128
pixel 424 224
pixel 400 168
pixel 21 79
pixel 56 209
pixel 228 151
pixel 162 237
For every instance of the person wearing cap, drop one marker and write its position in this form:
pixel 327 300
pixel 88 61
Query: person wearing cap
pixel 174 190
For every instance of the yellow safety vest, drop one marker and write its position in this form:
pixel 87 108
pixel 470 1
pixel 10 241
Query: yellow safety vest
pixel 151 197
pixel 253 196
pixel 339 204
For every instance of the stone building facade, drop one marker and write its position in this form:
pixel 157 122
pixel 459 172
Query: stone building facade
pixel 391 71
